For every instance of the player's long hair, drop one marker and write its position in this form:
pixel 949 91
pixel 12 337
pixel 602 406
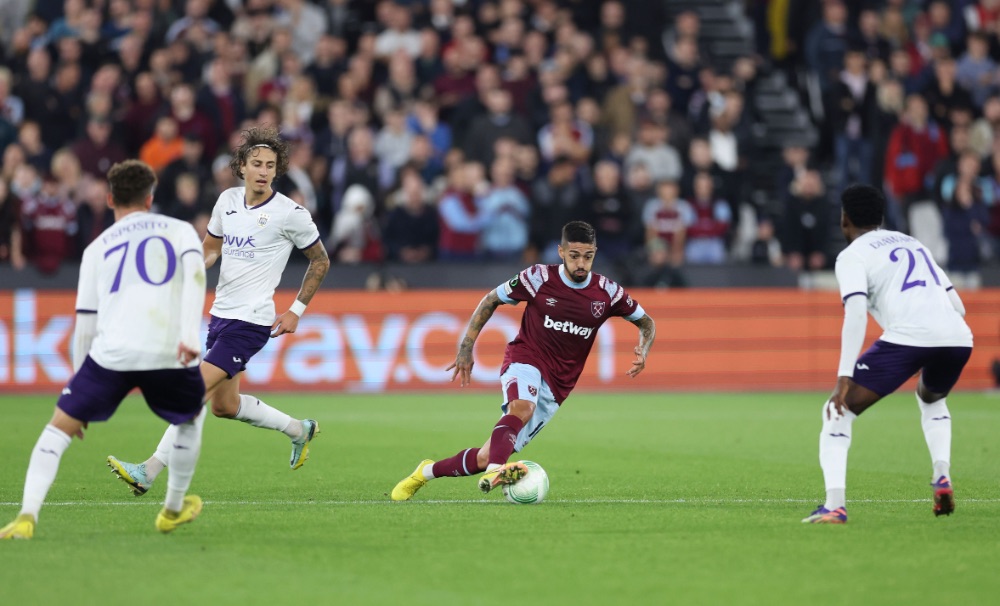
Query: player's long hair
pixel 130 182
pixel 578 231
pixel 864 205
pixel 254 138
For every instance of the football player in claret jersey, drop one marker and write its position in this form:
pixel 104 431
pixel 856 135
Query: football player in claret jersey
pixel 138 311
pixel 893 276
pixel 252 229
pixel 565 305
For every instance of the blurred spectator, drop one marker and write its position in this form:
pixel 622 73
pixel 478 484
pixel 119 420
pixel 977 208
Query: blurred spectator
pixel 454 84
pixel 189 201
pixel 331 142
pixel 652 150
pixel 190 121
pixel 399 34
pixel 354 237
pixel 852 106
pixel 915 147
pixel 49 224
pixel 976 71
pixel 307 23
pixel 620 109
pixel 869 39
pixel 93 215
pixel 11 250
pixel 945 23
pixel 827 42
pixel 565 135
pixel 889 99
pixel 140 117
pixel 666 219
pixel 966 220
pixel 766 248
pixel 329 62
pixel 709 227
pixel 195 18
pixel 96 150
pixel 219 100
pixel 11 106
pixel 66 170
pixel 506 231
pixel 393 142
pixel 557 199
pixel 682 72
pixel 411 230
pixel 461 221
pixel 191 160
pixel 400 89
pixel 807 226
pixel 360 166
pixel 943 94
pixel 423 120
pixel 164 147
pixel 499 122
pixel 618 228
pixel 298 177
pixel 795 162
pixel 29 136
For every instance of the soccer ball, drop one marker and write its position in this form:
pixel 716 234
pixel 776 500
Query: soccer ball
pixel 530 489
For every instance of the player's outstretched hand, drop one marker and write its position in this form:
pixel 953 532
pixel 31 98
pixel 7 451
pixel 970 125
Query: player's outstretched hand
pixel 463 368
pixel 186 354
pixel 286 322
pixel 638 364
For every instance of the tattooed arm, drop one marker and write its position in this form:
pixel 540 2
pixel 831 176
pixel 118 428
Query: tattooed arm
pixel 647 333
pixel 319 264
pixel 463 361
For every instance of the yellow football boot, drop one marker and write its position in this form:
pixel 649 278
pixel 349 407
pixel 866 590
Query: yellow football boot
pixel 505 474
pixel 168 521
pixel 23 527
pixel 409 485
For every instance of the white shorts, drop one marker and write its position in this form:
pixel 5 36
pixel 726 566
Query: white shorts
pixel 524 382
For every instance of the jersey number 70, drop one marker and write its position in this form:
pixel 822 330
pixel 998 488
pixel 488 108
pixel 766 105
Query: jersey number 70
pixel 140 262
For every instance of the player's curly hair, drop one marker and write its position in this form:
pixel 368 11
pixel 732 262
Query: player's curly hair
pixel 864 205
pixel 578 231
pixel 130 182
pixel 254 138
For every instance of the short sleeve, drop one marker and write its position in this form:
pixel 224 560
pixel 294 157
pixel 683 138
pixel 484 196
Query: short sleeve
pixel 851 276
pixel 513 291
pixel 300 228
pixel 625 306
pixel 86 290
pixel 189 242
pixel 215 223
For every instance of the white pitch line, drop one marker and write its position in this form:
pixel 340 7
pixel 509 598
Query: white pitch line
pixel 488 502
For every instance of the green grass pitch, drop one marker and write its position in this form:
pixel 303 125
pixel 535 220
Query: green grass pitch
pixel 655 499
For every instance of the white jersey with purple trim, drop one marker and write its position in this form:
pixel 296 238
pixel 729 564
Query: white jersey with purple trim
pixel 131 277
pixel 256 243
pixel 907 291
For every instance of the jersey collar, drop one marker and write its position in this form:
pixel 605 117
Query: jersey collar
pixel 274 193
pixel 569 281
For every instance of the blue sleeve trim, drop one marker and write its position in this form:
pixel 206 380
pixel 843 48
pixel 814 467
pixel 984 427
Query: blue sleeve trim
pixel 503 296
pixel 949 288
pixel 213 235
pixel 637 314
pixel 86 311
pixel 313 243
pixel 849 295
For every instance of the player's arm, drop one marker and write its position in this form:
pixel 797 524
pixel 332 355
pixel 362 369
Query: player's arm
pixel 211 247
pixel 463 361
pixel 192 305
pixel 319 265
pixel 86 308
pixel 647 334
pixel 854 291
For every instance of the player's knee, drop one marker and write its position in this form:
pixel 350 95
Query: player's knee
pixel 522 409
pixel 224 407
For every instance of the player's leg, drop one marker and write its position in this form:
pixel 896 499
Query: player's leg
pixel 93 394
pixel 878 372
pixel 943 368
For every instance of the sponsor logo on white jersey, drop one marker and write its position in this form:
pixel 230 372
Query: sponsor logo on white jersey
pixel 570 327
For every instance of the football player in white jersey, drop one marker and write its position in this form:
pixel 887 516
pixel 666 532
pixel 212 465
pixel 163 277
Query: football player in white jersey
pixel 138 310
pixel 253 229
pixel 893 276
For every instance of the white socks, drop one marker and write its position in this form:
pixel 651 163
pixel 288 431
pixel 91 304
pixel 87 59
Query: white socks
pixel 936 421
pixel 834 442
pixel 428 471
pixel 183 457
pixel 160 458
pixel 259 414
pixel 42 468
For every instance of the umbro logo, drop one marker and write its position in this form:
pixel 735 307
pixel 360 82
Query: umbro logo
pixel 66 391
pixel 230 212
pixel 863 367
pixel 551 302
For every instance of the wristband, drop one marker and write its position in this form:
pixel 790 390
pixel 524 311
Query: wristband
pixel 298 308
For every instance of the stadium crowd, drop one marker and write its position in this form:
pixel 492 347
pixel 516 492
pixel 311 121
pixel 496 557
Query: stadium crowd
pixel 463 130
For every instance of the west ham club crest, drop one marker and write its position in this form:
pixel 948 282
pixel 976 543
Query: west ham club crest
pixel 262 219
pixel 597 308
